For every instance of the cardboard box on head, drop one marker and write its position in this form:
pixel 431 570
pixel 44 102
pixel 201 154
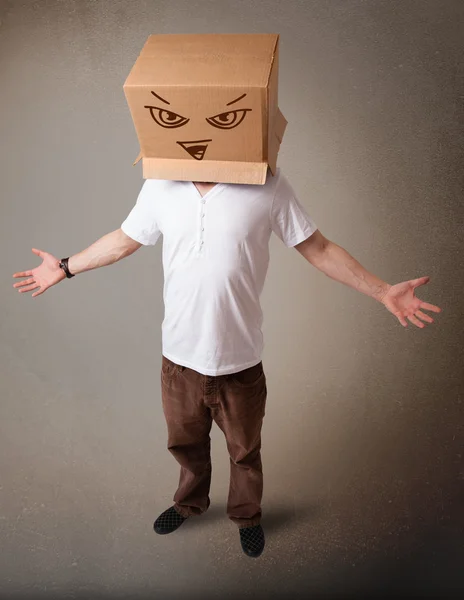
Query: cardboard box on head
pixel 205 107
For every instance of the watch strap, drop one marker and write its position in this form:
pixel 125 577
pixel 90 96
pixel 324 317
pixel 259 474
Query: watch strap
pixel 64 266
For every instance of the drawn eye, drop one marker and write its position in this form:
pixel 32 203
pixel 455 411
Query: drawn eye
pixel 167 118
pixel 228 120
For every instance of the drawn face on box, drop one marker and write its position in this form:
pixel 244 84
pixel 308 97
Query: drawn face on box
pixel 195 123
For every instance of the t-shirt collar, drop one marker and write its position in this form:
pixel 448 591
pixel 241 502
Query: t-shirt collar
pixel 218 187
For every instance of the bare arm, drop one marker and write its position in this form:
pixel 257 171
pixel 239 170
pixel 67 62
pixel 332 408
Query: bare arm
pixel 105 251
pixel 335 262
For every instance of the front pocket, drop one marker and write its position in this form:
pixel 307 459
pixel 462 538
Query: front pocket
pixel 248 377
pixel 168 369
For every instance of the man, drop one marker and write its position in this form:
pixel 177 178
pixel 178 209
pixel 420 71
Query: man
pixel 215 260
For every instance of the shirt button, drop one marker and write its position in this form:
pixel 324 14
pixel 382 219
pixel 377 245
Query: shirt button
pixel 203 201
pixel 202 228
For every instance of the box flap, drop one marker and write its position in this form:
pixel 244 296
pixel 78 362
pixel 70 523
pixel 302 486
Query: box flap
pixel 206 170
pixel 280 124
pixel 137 159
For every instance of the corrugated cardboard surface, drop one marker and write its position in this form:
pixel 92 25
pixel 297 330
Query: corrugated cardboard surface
pixel 195 105
pixel 183 92
pixel 204 59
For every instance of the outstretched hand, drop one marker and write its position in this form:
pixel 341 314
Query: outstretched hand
pixel 44 276
pixel 401 301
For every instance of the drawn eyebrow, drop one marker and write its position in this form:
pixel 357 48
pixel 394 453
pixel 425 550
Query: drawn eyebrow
pixel 162 99
pixel 236 100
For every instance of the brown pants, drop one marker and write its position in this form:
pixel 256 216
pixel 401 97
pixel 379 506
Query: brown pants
pixel 236 402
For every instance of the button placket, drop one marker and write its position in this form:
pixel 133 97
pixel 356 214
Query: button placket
pixel 202 225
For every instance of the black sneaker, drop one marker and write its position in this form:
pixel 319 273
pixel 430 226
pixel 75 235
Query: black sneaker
pixel 252 540
pixel 168 521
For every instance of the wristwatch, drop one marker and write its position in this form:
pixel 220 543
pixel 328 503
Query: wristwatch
pixel 64 265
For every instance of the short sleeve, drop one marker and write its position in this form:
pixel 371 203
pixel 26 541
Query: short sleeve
pixel 289 219
pixel 140 224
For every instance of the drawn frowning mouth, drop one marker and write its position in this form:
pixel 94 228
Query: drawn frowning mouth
pixel 195 148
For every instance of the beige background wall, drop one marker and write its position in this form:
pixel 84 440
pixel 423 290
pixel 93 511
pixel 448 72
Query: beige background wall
pixel 362 439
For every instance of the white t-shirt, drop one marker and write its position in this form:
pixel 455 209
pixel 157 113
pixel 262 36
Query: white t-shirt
pixel 215 260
